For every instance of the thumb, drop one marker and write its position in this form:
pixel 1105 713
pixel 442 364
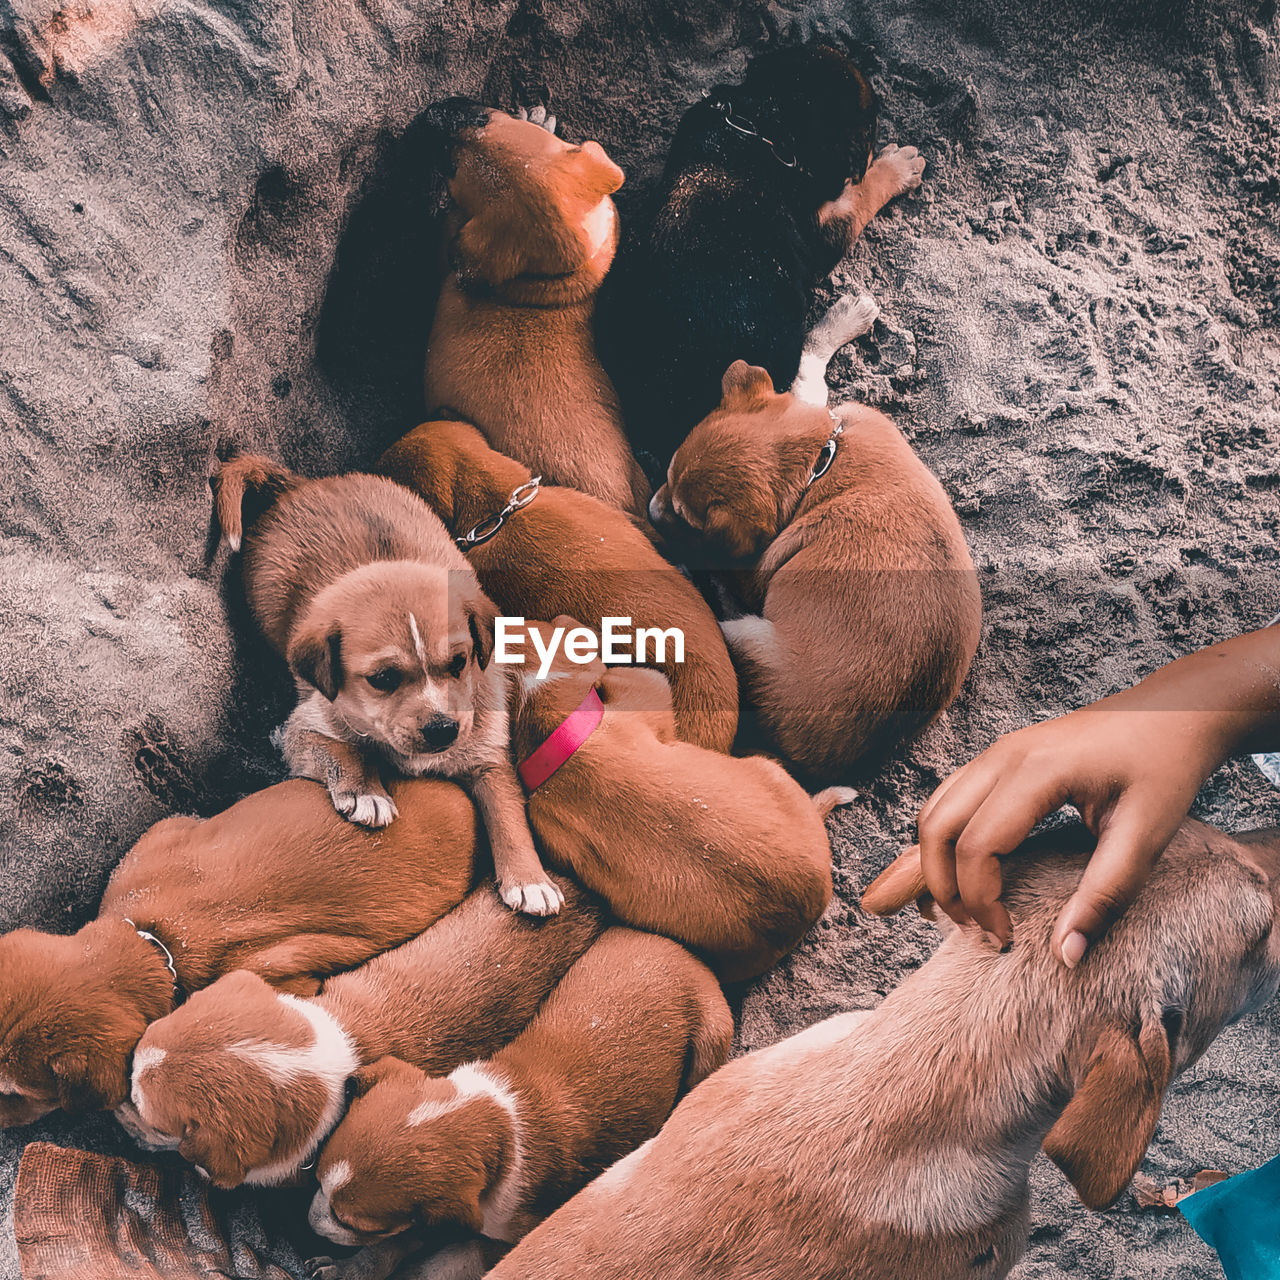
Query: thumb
pixel 1127 849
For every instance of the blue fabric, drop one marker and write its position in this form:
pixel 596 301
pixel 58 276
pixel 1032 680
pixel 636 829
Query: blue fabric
pixel 1240 1218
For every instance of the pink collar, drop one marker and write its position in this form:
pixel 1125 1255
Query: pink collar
pixel 568 736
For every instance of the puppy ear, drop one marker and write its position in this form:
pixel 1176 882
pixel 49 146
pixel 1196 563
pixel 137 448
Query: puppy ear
pixel 482 616
pixel 223 1163
pixel 743 381
pixel 315 654
pixel 1101 1137
pixel 364 1079
pixel 728 529
pixel 597 173
pixel 86 1081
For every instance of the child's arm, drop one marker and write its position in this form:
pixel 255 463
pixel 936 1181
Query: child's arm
pixel 1131 764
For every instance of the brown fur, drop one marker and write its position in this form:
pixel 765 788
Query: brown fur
pixel 511 349
pixel 278 884
pixel 353 579
pixel 869 611
pixel 635 1022
pixel 898 1142
pixel 458 991
pixel 727 855
pixel 569 553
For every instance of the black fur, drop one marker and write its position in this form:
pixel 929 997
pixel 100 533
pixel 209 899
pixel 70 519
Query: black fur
pixel 725 269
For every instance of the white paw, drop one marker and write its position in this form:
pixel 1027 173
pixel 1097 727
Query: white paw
pixel 322 1268
pixel 902 166
pixel 540 899
pixel 849 318
pixel 834 797
pixel 365 809
pixel 539 116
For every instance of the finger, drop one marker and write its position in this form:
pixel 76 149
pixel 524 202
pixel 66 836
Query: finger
pixel 1000 824
pixel 940 830
pixel 1127 849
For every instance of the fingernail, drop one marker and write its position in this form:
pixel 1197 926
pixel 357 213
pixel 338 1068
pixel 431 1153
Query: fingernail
pixel 1074 946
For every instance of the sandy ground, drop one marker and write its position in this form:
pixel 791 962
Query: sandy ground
pixel 213 233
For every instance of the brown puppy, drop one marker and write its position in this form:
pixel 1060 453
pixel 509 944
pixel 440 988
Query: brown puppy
pixel 278 884
pixel 357 584
pixel 898 1142
pixel 566 552
pixel 727 855
pixel 866 610
pixel 531 234
pixel 246 1082
pixel 500 1144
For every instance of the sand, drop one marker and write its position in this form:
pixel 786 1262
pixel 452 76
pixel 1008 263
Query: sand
pixel 215 232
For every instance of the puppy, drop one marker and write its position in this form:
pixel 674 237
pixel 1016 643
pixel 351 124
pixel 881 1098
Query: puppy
pixel 566 552
pixel 498 1145
pixel 865 610
pixel 727 855
pixel 768 185
pixel 357 584
pixel 530 235
pixel 246 1082
pixel 278 884
pixel 898 1142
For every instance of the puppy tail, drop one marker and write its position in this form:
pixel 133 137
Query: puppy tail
pixel 833 798
pixel 848 318
pixel 901 882
pixel 248 473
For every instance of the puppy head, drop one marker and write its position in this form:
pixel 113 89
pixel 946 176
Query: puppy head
pixel 71 1011
pixel 453 468
pixel 1197 950
pixel 530 205
pixel 737 479
pixel 400 648
pixel 241 1080
pixel 822 105
pixel 411 1151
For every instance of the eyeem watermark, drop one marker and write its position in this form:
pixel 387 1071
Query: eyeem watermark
pixel 618 643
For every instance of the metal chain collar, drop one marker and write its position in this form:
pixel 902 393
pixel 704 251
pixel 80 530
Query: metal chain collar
pixel 745 126
pixel 827 455
pixel 521 496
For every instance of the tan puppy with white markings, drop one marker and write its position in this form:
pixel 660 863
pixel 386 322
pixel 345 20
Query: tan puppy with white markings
pixel 277 884
pixel 498 1145
pixel 359 587
pixel 863 606
pixel 897 1143
pixel 246 1083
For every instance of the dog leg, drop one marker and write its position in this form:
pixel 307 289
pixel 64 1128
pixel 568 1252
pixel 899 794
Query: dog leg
pixel 848 318
pixel 373 1262
pixel 833 798
pixel 895 171
pixel 522 882
pixel 354 787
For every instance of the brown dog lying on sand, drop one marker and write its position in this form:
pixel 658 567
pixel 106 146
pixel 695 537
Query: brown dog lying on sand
pixel 246 1082
pixel 278 884
pixel 359 587
pixel 727 855
pixel 531 234
pixel 498 1145
pixel 865 606
pixel 898 1142
pixel 566 552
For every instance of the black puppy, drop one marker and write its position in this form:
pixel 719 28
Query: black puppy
pixel 767 186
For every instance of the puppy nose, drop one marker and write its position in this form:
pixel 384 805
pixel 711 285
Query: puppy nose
pixel 439 732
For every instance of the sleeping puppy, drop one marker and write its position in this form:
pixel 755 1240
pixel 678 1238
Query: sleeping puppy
pixel 359 587
pixel 898 1142
pixel 530 235
pixel 566 552
pixel 865 606
pixel 278 885
pixel 246 1082
pixel 727 855
pixel 768 185
pixel 497 1145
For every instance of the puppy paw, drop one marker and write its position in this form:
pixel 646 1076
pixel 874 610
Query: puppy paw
pixel 833 798
pixel 901 168
pixel 848 318
pixel 540 898
pixel 322 1268
pixel 539 116
pixel 365 808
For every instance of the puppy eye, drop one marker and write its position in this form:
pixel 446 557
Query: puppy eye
pixel 385 681
pixel 457 664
